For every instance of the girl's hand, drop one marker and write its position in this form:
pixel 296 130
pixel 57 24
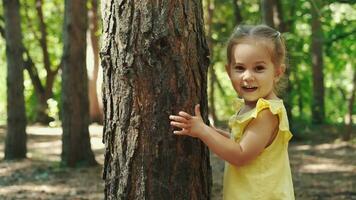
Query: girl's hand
pixel 191 125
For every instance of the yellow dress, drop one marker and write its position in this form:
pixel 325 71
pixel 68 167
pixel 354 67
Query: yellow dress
pixel 268 177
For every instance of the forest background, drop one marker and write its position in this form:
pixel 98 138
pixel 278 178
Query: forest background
pixel 337 36
pixel 321 43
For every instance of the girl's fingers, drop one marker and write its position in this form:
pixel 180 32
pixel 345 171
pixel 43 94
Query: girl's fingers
pixel 185 115
pixel 181 132
pixel 179 125
pixel 197 110
pixel 178 118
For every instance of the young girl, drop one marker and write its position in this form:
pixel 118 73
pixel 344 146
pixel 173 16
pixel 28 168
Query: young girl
pixel 257 164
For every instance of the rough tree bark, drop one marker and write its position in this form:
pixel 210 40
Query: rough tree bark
pixel 155 60
pixel 318 64
pixel 76 148
pixel 15 144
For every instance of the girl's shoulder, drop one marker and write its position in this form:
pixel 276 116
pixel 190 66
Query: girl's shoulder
pixel 275 106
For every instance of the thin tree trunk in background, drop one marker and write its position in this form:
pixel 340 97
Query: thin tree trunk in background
pixel 212 76
pixel 318 64
pixel 237 12
pixel 95 110
pixel 42 107
pixel 349 122
pixel 300 98
pixel 155 61
pixel 286 24
pixel 268 8
pixel 15 143
pixel 76 149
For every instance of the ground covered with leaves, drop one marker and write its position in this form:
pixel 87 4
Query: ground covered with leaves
pixel 322 167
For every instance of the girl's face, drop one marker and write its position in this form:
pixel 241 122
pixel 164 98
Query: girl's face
pixel 252 72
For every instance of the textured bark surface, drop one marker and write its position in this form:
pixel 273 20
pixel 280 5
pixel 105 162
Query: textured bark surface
pixel 318 65
pixel 16 118
pixel 76 148
pixel 155 60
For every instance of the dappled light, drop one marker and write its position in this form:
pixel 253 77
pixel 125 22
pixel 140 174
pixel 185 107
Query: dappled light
pixel 40 176
pixel 33 189
pixel 317 168
pixel 326 167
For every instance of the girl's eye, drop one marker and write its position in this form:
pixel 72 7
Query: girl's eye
pixel 239 68
pixel 259 68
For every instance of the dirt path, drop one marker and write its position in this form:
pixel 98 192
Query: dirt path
pixel 320 171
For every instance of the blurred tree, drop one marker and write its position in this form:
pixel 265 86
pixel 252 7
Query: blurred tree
pixel 284 21
pixel 269 12
pixel 76 149
pixel 155 61
pixel 237 12
pixel 95 108
pixel 318 63
pixel 42 91
pixel 15 144
pixel 351 101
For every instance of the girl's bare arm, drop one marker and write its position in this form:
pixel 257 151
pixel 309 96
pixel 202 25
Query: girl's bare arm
pixel 256 136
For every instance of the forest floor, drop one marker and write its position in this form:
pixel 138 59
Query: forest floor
pixel 323 168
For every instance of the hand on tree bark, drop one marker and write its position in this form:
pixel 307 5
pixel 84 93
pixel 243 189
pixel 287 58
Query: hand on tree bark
pixel 190 125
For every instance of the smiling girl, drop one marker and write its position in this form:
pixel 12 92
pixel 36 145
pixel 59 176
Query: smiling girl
pixel 256 151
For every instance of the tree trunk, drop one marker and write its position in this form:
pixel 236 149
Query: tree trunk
pixel 348 121
pixel 76 148
pixel 280 22
pixel 155 60
pixel 318 65
pixel 237 12
pixel 95 110
pixel 15 146
pixel 269 9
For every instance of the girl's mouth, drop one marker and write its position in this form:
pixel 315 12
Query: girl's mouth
pixel 248 88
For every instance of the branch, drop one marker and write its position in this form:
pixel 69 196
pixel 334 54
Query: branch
pixel 341 1
pixel 32 71
pixel 340 37
pixel 43 39
pixel 2 30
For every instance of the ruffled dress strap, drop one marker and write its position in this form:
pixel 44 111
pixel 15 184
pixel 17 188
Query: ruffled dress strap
pixel 275 106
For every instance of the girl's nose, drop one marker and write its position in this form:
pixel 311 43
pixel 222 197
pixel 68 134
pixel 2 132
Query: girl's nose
pixel 247 76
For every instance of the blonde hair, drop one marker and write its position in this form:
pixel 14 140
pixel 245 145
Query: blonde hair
pixel 265 35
